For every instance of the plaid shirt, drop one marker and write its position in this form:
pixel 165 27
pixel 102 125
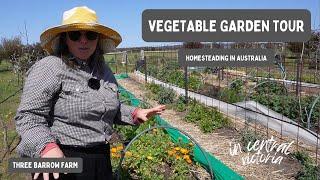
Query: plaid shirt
pixel 57 105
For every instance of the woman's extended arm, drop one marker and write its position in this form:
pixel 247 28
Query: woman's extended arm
pixel 129 114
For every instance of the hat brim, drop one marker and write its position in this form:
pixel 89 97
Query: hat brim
pixel 48 35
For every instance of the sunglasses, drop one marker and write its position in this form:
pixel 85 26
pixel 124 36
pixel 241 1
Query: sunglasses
pixel 94 83
pixel 76 35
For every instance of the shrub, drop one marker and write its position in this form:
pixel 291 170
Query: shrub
pixel 234 93
pixel 180 104
pixel 248 136
pixel 212 121
pixel 237 85
pixel 230 96
pixel 195 111
pixel 154 88
pixel 270 87
pixel 309 171
pixel 194 82
pixel 302 157
pixel 166 95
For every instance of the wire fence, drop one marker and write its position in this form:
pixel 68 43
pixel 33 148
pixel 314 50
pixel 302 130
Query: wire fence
pixel 280 100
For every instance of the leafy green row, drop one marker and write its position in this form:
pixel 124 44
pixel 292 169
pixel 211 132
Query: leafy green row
pixel 208 119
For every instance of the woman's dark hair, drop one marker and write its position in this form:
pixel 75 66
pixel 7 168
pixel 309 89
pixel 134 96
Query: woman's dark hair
pixel 96 61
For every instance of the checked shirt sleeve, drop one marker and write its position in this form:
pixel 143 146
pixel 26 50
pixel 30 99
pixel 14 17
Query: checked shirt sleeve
pixel 33 115
pixel 125 113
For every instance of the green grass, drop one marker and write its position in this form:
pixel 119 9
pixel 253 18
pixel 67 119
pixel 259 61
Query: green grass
pixel 8 85
pixel 5 65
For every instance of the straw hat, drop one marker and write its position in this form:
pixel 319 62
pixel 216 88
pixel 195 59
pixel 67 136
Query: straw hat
pixel 80 18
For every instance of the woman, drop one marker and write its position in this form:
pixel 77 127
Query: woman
pixel 70 102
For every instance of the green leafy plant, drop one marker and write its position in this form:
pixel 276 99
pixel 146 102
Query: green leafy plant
pixel 302 157
pixel 194 83
pixel 195 111
pixel 234 93
pixel 237 85
pixel 308 171
pixel 248 136
pixel 270 87
pixel 289 106
pixel 173 74
pixel 180 104
pixel 166 95
pixel 231 96
pixel 208 119
pixel 154 88
pixel 153 155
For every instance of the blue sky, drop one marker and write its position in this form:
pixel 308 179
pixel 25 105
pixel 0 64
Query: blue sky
pixel 123 15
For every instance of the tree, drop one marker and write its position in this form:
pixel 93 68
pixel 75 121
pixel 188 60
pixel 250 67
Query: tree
pixel 1 53
pixel 11 48
pixel 22 57
pixel 192 45
pixel 241 45
pixel 310 45
pixel 30 54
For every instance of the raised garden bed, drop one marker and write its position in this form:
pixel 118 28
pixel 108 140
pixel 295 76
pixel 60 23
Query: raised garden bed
pixel 164 154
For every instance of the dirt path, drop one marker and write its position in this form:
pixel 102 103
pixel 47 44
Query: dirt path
pixel 218 142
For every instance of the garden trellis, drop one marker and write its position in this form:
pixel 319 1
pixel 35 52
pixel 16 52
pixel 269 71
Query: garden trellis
pixel 281 100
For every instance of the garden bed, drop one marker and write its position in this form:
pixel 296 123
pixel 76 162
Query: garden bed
pixel 233 89
pixel 167 159
pixel 217 142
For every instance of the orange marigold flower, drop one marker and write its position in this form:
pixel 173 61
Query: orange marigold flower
pixel 119 148
pixel 128 153
pixel 186 157
pixel 114 150
pixel 170 153
pixel 177 148
pixel 149 157
pixel 184 151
